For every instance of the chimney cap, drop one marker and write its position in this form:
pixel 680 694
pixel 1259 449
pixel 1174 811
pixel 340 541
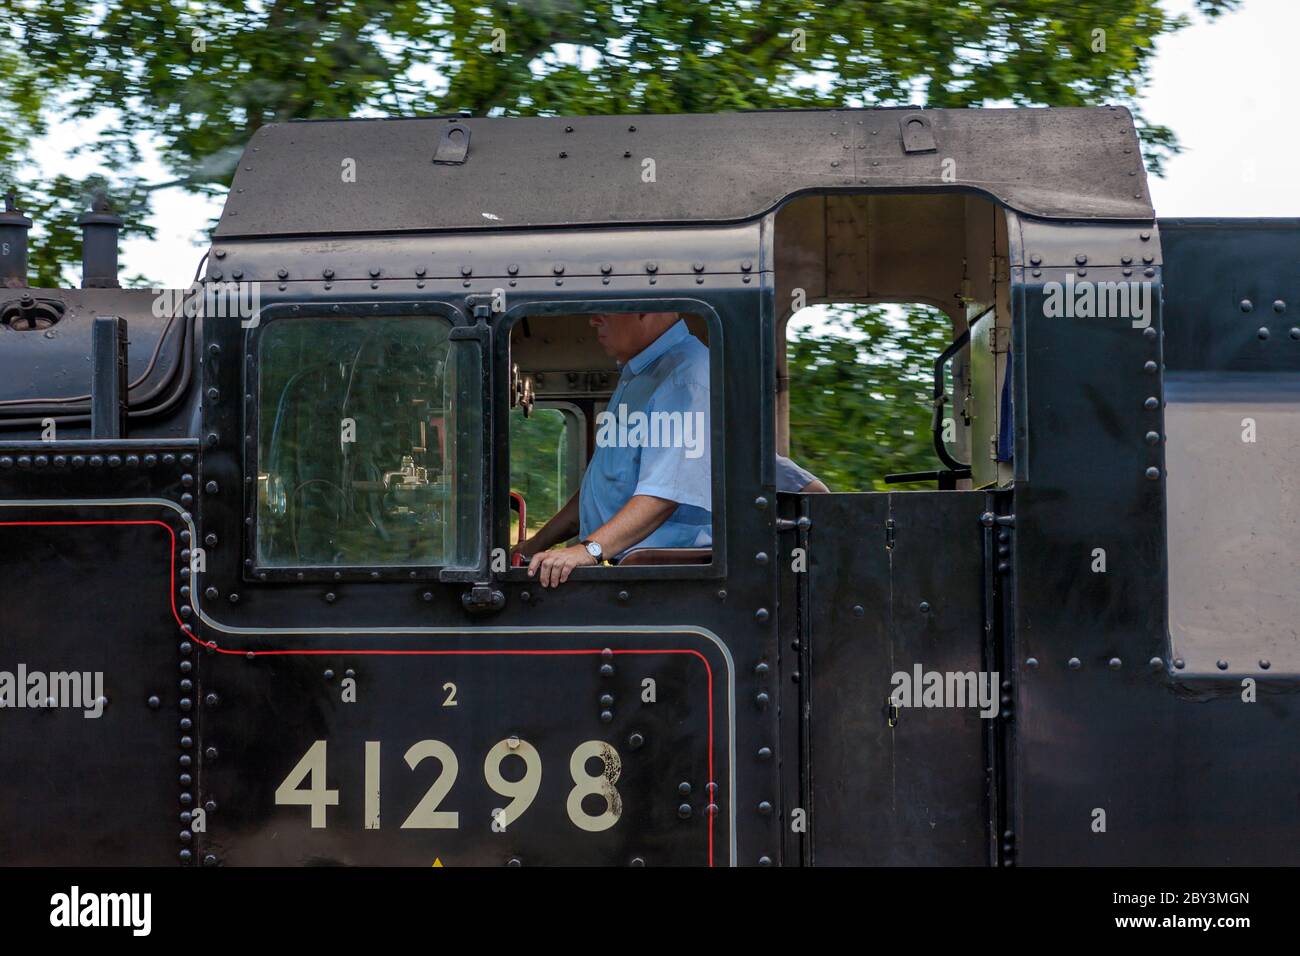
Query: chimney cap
pixel 100 212
pixel 12 215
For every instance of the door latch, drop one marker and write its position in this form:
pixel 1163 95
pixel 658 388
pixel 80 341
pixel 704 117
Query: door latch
pixel 482 598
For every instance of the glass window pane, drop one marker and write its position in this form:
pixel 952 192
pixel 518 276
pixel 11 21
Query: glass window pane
pixel 368 444
pixel 542 464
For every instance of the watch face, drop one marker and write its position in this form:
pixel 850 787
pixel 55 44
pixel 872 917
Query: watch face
pixel 593 549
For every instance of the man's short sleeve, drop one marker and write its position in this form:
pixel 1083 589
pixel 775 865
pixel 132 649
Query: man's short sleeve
pixel 675 463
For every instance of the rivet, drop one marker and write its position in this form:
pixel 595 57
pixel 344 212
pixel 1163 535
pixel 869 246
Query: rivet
pixel 1152 437
pixel 761 668
pixel 684 788
pixel 764 753
pixel 328 674
pixel 1279 306
pixel 514 861
pixel 1155 663
pixel 211 487
pixel 1081 259
pixel 210 753
pixel 761 557
pixel 1074 663
pixel 1114 663
pixel 684 811
pixel 1221 665
pixel 722 595
pixel 1031 663
pixel 635 741
pixel 211 594
pixel 1151 403
pixel 622 596
pixel 1036 260
pixel 606 670
pixel 328 273
pixel 1179 663
pixel 859 610
pixel 1148 272
pixel 1262 333
pixel 1264 663
pixel 330 597
pixel 1246 305
pixel 637 861
pixel 924 607
pixel 1295 334
pixel 767 860
pixel 762 615
pixel 1153 473
pixel 762 698
pixel 746 266
pixel 760 503
pixel 651 267
pixel 1150 367
pixel 558 268
pixel 154 702
pixel 606 716
pixel 764 807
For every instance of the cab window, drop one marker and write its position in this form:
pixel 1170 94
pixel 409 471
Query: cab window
pixel 368 444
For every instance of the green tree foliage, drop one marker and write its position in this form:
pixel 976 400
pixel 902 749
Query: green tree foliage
pixel 194 78
pixel 861 394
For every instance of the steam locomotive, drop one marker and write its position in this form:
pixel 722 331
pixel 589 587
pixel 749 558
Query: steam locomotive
pixel 257 603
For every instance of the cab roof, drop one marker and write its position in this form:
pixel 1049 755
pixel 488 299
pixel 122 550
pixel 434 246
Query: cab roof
pixel 362 176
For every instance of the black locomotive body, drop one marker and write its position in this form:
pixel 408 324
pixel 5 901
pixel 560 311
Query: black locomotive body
pixel 270 512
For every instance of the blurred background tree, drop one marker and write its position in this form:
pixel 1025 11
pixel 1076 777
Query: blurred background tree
pixel 192 79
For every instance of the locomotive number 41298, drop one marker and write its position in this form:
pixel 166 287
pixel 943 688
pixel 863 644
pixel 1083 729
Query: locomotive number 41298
pixel 305 785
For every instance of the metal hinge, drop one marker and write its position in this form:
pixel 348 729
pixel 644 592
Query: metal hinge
pixel 999 339
pixel 890 529
pixel 999 269
pixel 797 524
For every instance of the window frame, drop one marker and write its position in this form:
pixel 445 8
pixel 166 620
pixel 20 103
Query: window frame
pixel 459 329
pixel 717 567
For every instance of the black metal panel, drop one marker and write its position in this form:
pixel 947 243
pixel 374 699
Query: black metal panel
pixel 1182 767
pixel 1233 297
pixel 1075 163
pixel 87 590
pixel 667 759
pixel 885 598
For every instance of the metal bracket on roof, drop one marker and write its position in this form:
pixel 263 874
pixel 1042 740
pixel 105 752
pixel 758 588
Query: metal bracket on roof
pixel 918 135
pixel 453 145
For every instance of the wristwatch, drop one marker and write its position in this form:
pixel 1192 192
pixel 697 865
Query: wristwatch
pixel 594 549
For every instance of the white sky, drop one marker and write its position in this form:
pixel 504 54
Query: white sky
pixel 1222 86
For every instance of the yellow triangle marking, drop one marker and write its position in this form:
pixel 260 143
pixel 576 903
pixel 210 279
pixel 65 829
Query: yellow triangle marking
pixel 437 861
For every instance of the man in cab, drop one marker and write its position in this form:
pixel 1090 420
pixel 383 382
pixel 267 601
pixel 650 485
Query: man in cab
pixel 648 485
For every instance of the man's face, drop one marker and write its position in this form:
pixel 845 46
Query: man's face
pixel 619 334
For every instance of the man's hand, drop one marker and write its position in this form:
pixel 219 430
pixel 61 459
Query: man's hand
pixel 554 567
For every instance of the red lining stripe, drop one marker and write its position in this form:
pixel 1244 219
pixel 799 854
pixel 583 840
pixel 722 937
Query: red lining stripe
pixel 386 652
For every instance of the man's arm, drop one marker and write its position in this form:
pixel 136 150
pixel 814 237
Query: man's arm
pixel 562 526
pixel 634 522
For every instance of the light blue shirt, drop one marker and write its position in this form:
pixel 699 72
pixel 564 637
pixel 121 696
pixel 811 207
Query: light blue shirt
pixel 790 477
pixel 653 439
